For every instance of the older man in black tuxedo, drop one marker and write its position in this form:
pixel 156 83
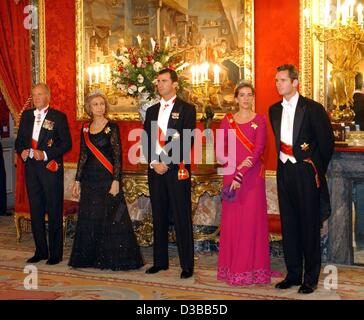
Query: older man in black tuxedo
pixel 42 140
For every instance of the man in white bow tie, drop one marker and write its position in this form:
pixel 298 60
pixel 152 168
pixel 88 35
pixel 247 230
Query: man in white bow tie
pixel 305 143
pixel 42 139
pixel 169 175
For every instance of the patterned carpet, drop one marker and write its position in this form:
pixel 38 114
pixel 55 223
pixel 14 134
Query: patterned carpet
pixel 61 282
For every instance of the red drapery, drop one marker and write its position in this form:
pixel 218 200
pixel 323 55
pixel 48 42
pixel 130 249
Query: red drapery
pixel 15 74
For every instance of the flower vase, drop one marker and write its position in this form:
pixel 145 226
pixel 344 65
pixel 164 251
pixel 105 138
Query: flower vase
pixel 144 103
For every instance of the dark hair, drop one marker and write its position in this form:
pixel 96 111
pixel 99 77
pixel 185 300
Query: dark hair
pixel 243 84
pixel 171 72
pixel 292 71
pixel 358 81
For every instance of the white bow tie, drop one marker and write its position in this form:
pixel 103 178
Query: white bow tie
pixel 286 104
pixel 40 112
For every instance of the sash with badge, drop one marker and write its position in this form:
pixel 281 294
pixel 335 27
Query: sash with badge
pixel 183 173
pixel 96 152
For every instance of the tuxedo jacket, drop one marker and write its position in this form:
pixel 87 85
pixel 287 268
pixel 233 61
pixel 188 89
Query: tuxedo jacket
pixel 311 127
pixel 54 137
pixel 358 107
pixel 183 116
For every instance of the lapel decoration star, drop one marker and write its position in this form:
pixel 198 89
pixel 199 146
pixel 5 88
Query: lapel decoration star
pixel 305 146
pixel 254 126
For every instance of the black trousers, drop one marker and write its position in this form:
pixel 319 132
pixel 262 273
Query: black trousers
pixel 299 205
pixel 2 183
pixel 168 194
pixel 45 192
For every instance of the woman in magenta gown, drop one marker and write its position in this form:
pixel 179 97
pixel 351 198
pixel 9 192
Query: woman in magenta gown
pixel 244 246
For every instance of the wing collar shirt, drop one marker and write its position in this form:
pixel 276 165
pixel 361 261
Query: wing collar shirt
pixel 289 109
pixel 38 122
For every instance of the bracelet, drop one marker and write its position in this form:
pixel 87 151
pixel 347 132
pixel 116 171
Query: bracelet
pixel 238 178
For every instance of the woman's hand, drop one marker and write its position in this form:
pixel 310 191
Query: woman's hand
pixel 234 185
pixel 114 190
pixel 76 189
pixel 246 163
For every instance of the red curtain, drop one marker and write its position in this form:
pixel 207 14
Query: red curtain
pixel 15 74
pixel 15 65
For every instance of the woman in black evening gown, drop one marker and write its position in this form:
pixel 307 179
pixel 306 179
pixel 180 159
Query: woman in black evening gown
pixel 104 235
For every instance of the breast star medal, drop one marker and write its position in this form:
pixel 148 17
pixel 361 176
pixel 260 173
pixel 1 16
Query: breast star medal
pixel 107 130
pixel 254 126
pixel 305 146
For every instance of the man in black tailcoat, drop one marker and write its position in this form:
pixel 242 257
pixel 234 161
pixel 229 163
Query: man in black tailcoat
pixel 169 173
pixel 305 143
pixel 42 139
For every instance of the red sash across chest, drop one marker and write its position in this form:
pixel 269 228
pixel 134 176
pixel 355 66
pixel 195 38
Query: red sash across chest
pixel 96 152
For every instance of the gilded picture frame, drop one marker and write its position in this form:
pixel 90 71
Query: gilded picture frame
pixel 126 108
pixel 312 53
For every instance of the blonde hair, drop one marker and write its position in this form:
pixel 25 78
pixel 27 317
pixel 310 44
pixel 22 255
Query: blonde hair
pixel 92 96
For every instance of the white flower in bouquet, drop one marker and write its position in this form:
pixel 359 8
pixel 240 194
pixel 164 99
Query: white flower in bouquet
pixel 140 78
pixel 121 87
pixel 140 89
pixel 157 66
pixel 125 61
pixel 139 63
pixel 132 89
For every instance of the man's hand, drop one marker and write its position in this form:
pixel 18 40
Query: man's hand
pixel 160 167
pixel 25 154
pixel 38 155
pixel 76 190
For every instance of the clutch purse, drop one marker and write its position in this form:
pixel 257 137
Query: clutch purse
pixel 52 166
pixel 115 207
pixel 227 194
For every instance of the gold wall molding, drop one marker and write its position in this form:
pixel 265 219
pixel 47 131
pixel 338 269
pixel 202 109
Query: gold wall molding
pixel 312 54
pixel 42 42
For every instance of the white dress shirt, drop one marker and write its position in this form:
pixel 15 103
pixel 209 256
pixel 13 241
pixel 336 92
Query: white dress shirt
pixel 163 119
pixel 38 122
pixel 289 109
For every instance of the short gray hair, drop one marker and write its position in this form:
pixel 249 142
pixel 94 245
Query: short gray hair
pixel 44 86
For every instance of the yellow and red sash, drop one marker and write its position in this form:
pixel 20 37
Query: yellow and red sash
pixel 244 140
pixel 97 153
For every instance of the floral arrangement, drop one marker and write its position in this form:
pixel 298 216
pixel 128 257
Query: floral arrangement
pixel 136 71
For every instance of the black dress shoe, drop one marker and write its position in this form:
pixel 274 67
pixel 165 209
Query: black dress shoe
pixel 186 273
pixel 53 261
pixel 307 288
pixel 155 269
pixel 286 284
pixel 36 259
